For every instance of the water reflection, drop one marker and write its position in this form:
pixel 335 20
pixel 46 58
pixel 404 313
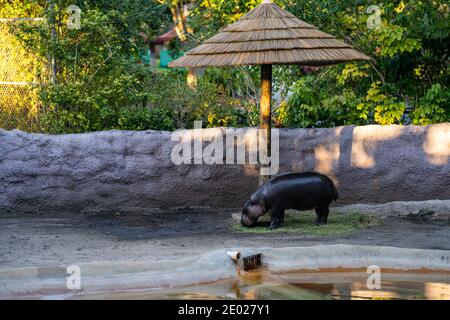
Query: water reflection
pixel 303 286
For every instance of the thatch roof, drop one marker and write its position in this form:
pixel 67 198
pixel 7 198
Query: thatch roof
pixel 269 35
pixel 166 37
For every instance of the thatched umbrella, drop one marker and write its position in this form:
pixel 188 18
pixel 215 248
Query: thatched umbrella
pixel 265 36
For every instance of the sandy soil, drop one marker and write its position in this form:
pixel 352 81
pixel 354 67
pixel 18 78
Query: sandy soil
pixel 55 240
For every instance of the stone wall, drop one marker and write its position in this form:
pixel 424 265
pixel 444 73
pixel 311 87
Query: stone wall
pixel 124 171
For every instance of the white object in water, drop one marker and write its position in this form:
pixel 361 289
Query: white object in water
pixel 234 255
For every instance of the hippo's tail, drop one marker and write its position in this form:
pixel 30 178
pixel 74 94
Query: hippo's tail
pixel 336 194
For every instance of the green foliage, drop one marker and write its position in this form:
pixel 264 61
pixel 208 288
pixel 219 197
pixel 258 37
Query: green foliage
pixel 237 81
pixel 301 110
pixel 208 102
pixel 65 121
pixel 434 107
pixel 21 8
pixel 146 118
pixel 346 109
pixel 169 104
pixel 392 40
pixel 303 223
pixel 352 72
pixel 311 106
pixel 101 83
pixel 410 61
pixel 386 109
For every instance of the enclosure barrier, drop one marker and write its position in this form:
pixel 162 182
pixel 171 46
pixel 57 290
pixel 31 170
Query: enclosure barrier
pixel 125 171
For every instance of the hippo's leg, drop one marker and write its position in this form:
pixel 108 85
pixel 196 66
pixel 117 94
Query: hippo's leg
pixel 318 217
pixel 282 217
pixel 277 218
pixel 322 215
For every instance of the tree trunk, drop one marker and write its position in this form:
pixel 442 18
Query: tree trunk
pixel 192 78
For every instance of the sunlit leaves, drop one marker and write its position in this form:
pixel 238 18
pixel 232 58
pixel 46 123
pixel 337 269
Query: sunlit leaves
pixel 392 40
pixel 352 72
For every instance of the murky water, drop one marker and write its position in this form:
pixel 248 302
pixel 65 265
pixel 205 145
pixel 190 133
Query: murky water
pixel 328 284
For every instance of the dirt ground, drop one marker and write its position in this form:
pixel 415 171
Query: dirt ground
pixel 55 240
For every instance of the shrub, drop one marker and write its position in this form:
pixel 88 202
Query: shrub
pixel 433 107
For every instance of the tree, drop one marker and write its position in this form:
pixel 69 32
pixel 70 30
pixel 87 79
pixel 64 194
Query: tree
pixel 409 50
pixel 97 65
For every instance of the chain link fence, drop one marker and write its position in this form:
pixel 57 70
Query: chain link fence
pixel 22 75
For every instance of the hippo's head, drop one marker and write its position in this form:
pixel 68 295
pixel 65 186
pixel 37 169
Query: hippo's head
pixel 250 214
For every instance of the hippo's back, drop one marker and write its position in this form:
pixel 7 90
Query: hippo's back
pixel 299 175
pixel 301 190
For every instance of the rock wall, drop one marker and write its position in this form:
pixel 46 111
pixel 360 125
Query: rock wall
pixel 124 171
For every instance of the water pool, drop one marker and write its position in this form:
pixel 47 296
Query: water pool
pixel 302 285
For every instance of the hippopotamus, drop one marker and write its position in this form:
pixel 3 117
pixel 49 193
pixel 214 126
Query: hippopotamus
pixel 293 190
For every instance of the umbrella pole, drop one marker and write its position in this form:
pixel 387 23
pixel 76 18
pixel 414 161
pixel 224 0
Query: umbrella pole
pixel 265 111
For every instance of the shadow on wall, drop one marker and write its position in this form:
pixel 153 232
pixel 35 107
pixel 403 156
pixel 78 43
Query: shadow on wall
pixel 374 163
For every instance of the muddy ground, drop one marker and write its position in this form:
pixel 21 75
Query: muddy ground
pixel 63 239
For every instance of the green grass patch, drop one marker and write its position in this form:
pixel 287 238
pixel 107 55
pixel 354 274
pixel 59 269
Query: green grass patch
pixel 303 223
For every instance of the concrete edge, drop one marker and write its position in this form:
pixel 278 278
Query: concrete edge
pixel 354 256
pixel 210 267
pixel 428 209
